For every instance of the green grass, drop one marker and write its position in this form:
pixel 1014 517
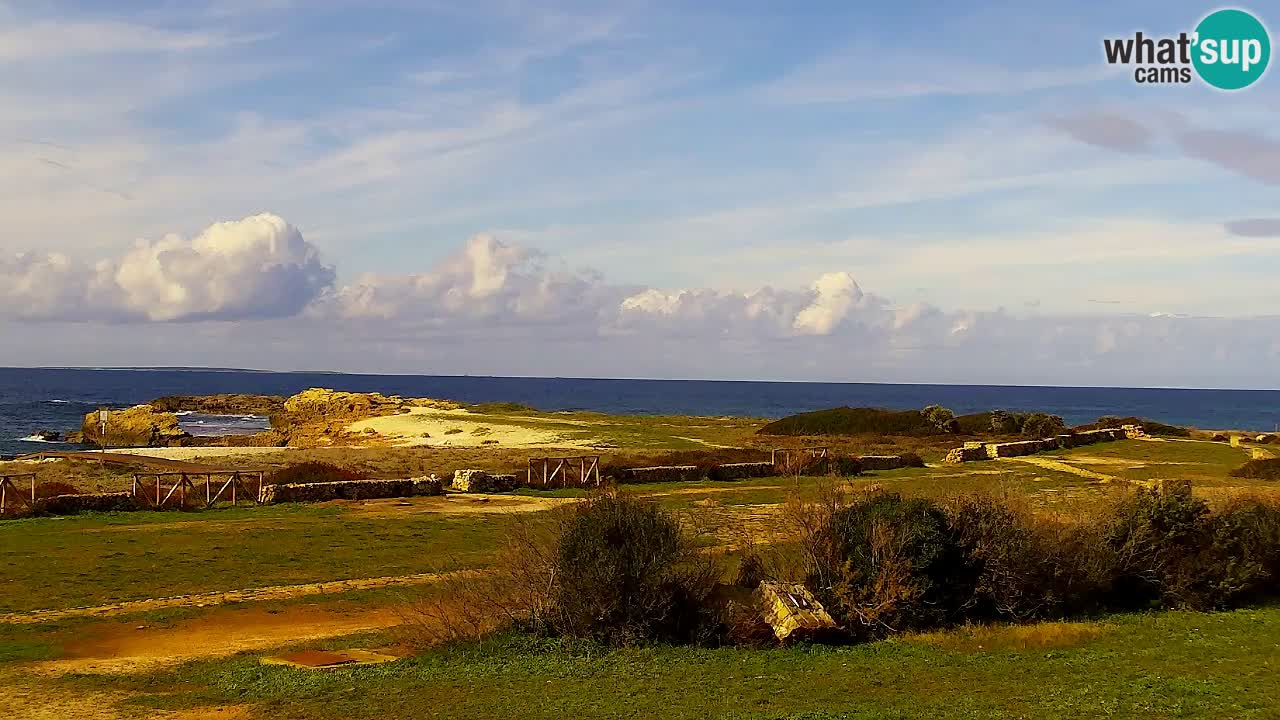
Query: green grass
pixel 53 563
pixel 1161 665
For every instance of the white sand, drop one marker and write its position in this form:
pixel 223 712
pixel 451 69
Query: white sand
pixel 428 427
pixel 191 453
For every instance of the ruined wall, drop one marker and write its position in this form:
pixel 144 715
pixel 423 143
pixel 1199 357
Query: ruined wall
pixel 990 451
pixel 481 481
pixel 740 471
pixel 98 502
pixel 660 473
pixel 341 490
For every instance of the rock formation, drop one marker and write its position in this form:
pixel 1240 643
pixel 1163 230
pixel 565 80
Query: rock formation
pixel 230 404
pixel 138 426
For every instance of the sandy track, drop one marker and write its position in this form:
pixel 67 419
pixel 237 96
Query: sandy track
pixel 276 592
pixel 1060 466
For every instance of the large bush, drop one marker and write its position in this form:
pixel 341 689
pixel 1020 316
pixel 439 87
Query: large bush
pixel 626 573
pixel 941 418
pixel 1042 425
pixel 885 564
pixel 1264 469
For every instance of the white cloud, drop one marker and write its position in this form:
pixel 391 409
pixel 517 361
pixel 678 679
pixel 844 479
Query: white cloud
pixel 252 268
pixel 834 295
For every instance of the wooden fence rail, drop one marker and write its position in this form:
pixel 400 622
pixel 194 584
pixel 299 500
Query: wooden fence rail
pixel 9 490
pixel 564 472
pixel 237 483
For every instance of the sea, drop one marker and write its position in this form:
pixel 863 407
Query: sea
pixel 35 399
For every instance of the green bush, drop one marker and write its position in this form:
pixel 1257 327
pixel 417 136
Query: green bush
pixel 1027 567
pixel 311 472
pixel 1042 425
pixel 625 574
pixel 941 418
pixel 853 421
pixel 1150 426
pixel 1159 536
pixel 1265 469
pixel 884 564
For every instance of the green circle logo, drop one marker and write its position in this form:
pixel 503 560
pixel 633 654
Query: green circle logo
pixel 1232 49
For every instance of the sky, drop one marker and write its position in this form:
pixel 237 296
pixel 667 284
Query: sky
pixel 880 192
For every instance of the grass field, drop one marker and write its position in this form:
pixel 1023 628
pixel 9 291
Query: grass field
pixel 1157 665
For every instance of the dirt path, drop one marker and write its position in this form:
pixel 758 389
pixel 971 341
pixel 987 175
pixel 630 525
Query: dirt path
pixel 1060 466
pixel 125 648
pixel 128 459
pixel 276 592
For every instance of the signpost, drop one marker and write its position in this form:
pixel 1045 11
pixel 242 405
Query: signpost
pixel 104 414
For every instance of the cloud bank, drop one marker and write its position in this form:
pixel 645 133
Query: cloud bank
pixel 499 308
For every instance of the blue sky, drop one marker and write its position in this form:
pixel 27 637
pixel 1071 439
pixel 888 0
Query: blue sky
pixel 973 158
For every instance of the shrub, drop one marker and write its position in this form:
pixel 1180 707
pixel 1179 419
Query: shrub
pixel 912 459
pixel 941 418
pixel 1158 536
pixel 1265 469
pixel 885 564
pixel 1042 425
pixel 627 574
pixel 1244 554
pixel 853 421
pixel 53 488
pixel 1003 423
pixel 501 407
pixel 1150 426
pixel 1027 567
pixel 311 472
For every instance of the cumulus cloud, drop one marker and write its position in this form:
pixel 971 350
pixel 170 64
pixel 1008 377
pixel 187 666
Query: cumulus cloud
pixel 257 267
pixel 485 281
pixel 498 308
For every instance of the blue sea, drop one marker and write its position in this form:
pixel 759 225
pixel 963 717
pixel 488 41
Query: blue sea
pixel 56 399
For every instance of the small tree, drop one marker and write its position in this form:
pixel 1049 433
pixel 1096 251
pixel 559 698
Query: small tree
pixel 1002 422
pixel 941 418
pixel 1042 425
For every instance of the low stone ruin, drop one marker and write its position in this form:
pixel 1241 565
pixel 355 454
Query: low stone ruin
pixel 482 481
pixel 989 451
pixel 882 462
pixel 660 473
pixel 793 612
pixel 96 502
pixel 340 490
pixel 741 471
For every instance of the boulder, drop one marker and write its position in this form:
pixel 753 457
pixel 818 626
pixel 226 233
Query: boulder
pixel 138 426
pixel 793 612
pixel 481 481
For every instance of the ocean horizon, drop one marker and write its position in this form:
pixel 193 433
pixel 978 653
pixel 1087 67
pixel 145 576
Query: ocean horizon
pixel 36 399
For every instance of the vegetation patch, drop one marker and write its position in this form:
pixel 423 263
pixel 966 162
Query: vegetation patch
pixel 312 472
pixel 1264 469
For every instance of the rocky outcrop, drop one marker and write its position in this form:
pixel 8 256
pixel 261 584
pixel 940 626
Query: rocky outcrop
pixel 138 426
pixel 481 481
pixel 322 403
pixel 793 613
pixel 228 404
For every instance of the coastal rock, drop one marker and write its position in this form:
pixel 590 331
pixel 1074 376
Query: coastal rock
pixel 322 403
pixel 226 404
pixel 138 426
pixel 49 435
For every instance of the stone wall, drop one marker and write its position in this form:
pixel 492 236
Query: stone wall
pixel 481 481
pixel 882 462
pixel 660 473
pixel 340 490
pixel 990 451
pixel 98 502
pixel 740 471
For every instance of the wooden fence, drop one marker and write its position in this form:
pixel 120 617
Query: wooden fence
pixel 10 492
pixel 178 486
pixel 794 460
pixel 564 472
